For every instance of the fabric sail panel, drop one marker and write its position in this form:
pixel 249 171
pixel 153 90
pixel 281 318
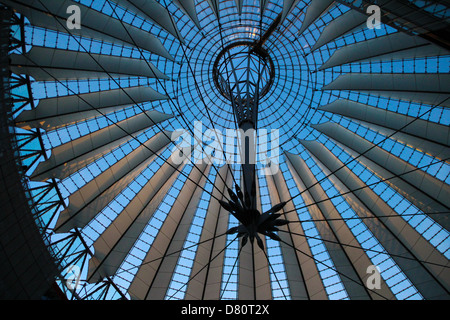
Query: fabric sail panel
pixel 112 247
pixel 207 284
pixel 52 15
pixel 301 271
pixel 154 275
pixel 48 64
pixel 416 185
pixel 93 197
pixel 74 155
pixel 56 112
pixel 396 236
pixel 349 259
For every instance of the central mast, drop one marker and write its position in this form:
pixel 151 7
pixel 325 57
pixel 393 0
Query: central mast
pixel 244 73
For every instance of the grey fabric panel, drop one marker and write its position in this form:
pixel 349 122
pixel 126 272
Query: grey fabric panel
pixel 426 130
pixel 432 89
pixel 154 12
pixel 385 48
pixel 54 113
pixel 340 26
pixel 214 4
pixel 239 5
pixel 315 9
pixel 188 7
pixel 48 64
pixel 288 5
pixel 94 24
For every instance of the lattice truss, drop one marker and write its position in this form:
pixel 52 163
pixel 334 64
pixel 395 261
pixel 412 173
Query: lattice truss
pixel 364 141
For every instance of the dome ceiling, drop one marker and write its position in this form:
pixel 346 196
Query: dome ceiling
pixel 356 118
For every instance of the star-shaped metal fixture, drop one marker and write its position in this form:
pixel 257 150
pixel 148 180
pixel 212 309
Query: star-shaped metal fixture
pixel 252 222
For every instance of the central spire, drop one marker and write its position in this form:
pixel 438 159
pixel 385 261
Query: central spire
pixel 243 73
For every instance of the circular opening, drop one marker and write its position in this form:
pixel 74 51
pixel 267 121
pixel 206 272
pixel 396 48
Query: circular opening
pixel 243 71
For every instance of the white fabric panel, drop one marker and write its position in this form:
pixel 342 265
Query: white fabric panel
pixel 239 5
pixel 427 130
pixel 188 7
pixel 424 190
pixel 208 283
pixel 432 149
pixel 351 263
pixel 76 154
pixel 53 113
pixel 94 24
pixel 214 4
pixel 69 65
pixel 114 244
pixel 154 12
pixel 301 271
pixel 94 196
pixel 394 234
pixel 288 5
pixel 385 48
pixel 414 195
pixel 315 9
pixel 155 273
pixel 431 89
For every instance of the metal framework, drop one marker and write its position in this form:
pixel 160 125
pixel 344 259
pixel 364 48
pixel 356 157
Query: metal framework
pixel 125 210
